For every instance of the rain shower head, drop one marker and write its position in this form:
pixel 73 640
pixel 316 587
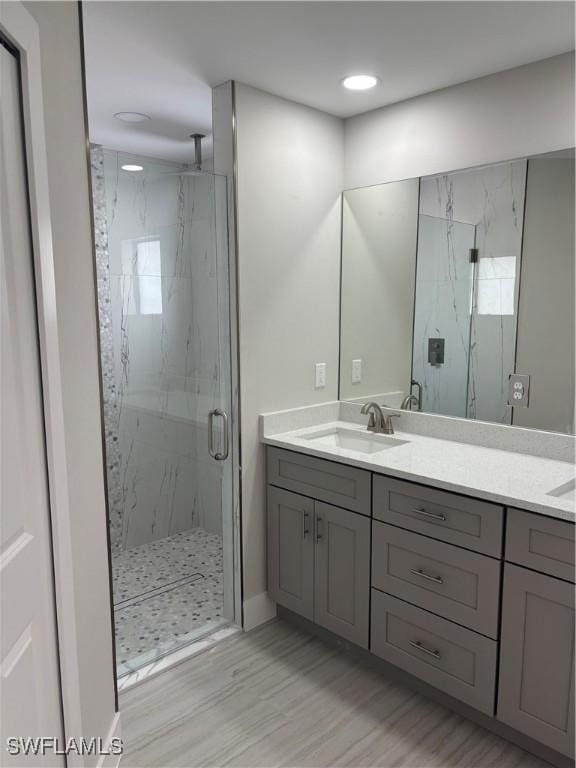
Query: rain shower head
pixel 197 149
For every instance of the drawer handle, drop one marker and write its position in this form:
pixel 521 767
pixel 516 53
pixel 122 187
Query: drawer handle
pixel 427 576
pixel 429 651
pixel 434 515
pixel 305 529
pixel 318 529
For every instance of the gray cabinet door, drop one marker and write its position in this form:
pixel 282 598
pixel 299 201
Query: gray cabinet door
pixel 342 589
pixel 291 551
pixel 536 687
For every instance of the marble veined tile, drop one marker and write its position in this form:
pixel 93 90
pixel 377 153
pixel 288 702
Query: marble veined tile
pixel 444 281
pixel 473 308
pixel 163 300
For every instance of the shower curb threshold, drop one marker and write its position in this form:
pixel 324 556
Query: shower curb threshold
pixel 172 659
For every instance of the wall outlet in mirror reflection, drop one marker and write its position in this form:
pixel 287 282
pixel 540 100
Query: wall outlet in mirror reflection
pixel 519 390
pixel 357 371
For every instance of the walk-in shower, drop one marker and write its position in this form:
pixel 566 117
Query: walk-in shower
pixel 164 314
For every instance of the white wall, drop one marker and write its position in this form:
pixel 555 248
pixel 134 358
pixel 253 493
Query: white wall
pixel 379 231
pixel 289 179
pixel 516 113
pixel 72 240
pixel 546 314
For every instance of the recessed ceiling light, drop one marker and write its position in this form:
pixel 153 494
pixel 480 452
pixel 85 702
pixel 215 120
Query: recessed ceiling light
pixel 129 167
pixel 132 117
pixel 360 82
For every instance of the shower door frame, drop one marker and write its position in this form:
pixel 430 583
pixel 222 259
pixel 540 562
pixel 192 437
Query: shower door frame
pixel 232 516
pixel 230 511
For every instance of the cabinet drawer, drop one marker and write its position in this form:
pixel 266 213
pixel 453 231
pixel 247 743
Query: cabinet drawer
pixel 469 523
pixel 542 543
pixel 449 657
pixel 454 583
pixel 328 481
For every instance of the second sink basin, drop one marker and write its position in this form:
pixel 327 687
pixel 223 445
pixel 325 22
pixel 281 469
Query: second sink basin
pixel 566 491
pixel 353 440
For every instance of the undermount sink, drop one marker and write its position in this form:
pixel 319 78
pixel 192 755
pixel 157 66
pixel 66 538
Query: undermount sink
pixel 353 440
pixel 565 491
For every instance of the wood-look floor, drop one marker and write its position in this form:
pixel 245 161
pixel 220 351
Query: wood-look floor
pixel 279 697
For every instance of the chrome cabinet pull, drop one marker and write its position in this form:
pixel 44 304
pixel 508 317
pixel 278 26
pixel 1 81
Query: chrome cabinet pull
pixel 427 576
pixel 434 515
pixel 318 530
pixel 305 529
pixel 429 651
pixel 226 448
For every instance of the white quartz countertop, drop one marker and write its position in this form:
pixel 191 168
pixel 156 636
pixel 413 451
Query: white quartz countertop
pixel 505 477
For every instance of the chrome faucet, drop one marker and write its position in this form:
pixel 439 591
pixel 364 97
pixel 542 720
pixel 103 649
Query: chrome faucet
pixel 378 422
pixel 409 401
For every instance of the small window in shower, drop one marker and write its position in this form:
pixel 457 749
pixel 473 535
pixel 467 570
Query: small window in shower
pixel 496 284
pixel 141 261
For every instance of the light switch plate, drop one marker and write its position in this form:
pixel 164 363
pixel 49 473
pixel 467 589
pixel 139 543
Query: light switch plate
pixel 356 371
pixel 320 380
pixel 519 390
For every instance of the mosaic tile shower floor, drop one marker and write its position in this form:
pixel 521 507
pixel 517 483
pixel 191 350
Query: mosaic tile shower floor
pixel 167 594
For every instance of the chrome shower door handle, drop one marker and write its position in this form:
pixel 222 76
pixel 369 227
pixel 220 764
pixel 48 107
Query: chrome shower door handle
pixel 226 439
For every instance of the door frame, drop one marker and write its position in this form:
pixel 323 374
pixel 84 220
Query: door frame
pixel 21 31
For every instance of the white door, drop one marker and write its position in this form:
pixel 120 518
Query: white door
pixel 30 696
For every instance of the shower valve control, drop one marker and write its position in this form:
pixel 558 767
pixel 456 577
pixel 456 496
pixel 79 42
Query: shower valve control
pixel 518 390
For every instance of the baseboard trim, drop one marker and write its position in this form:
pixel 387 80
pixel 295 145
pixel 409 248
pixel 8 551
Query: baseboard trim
pixel 400 676
pixel 111 761
pixel 258 610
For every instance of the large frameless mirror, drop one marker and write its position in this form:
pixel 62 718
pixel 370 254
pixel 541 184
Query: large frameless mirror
pixel 457 293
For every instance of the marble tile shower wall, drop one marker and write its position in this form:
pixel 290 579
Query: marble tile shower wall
pixel 473 307
pixel 161 339
pixel 443 300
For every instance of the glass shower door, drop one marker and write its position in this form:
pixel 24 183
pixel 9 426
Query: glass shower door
pixel 164 306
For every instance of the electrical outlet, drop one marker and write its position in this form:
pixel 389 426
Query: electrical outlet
pixel 320 380
pixel 356 371
pixel 519 390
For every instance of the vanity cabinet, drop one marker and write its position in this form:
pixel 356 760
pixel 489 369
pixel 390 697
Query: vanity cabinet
pixel 420 576
pixel 536 692
pixel 319 562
